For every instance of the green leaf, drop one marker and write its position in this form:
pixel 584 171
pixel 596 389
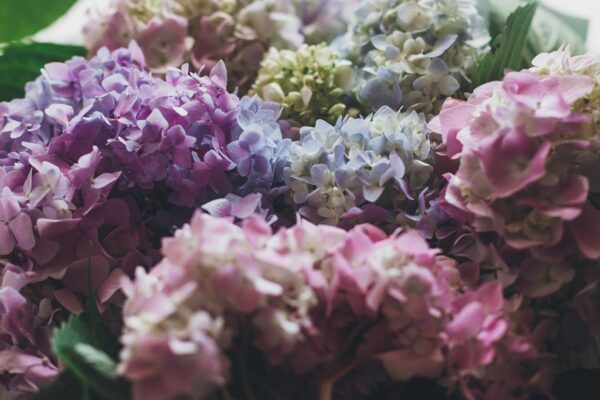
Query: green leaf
pixel 549 30
pixel 21 18
pixel 507 47
pixel 22 62
pixel 66 386
pixel 95 370
pixel 88 349
pixel 578 26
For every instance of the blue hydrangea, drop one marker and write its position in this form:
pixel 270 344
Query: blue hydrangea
pixel 257 145
pixel 371 167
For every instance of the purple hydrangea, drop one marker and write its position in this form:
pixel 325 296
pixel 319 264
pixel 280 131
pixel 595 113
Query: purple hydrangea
pixel 101 159
pixel 257 145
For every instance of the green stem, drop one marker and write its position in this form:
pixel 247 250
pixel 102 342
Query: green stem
pixel 243 364
pixel 328 384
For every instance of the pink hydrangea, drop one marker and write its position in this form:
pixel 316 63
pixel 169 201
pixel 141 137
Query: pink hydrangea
pixel 314 299
pixel 170 32
pixel 519 142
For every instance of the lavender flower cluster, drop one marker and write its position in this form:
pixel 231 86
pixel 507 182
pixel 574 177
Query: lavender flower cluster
pixel 91 160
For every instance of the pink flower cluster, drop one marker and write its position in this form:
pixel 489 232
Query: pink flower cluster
pixel 520 143
pixel 316 300
pixel 238 32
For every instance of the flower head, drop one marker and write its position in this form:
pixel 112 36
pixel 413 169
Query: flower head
pixel 416 53
pixel 101 159
pixel 203 32
pixel 300 293
pixel 308 82
pixel 324 20
pixel 519 142
pixel 360 166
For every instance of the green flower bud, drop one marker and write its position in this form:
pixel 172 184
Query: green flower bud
pixel 309 83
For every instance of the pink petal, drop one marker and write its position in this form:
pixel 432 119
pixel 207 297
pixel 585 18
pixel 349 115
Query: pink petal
pixel 219 74
pixel 467 323
pixel 111 285
pixel 7 240
pixel 586 230
pixel 574 87
pixel 490 295
pixel 9 205
pixel 68 300
pixel 246 206
pixel 218 208
pixel 105 180
pixel 22 229
pixel 524 87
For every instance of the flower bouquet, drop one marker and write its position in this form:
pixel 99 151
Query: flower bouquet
pixel 299 199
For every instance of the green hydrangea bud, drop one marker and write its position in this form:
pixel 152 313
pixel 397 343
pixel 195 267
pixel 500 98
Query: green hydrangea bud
pixel 309 83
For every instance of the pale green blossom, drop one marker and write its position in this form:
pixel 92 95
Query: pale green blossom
pixel 309 83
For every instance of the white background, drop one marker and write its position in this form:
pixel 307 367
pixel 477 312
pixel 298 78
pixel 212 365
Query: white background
pixel 68 28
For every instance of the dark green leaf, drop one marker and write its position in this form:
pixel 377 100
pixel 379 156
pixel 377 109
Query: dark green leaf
pixel 21 18
pixel 88 349
pixel 22 62
pixel 96 371
pixel 66 386
pixel 507 47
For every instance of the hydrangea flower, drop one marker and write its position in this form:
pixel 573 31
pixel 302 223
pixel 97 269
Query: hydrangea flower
pixel 257 145
pixel 25 360
pixel 309 83
pixel 373 167
pixel 415 53
pixel 299 293
pixel 561 62
pixel 203 32
pixel 101 159
pixel 519 142
pixel 212 268
pixel 324 20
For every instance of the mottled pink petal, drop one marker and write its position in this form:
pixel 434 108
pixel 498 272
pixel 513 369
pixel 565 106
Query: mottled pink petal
pixel 245 206
pixel 467 323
